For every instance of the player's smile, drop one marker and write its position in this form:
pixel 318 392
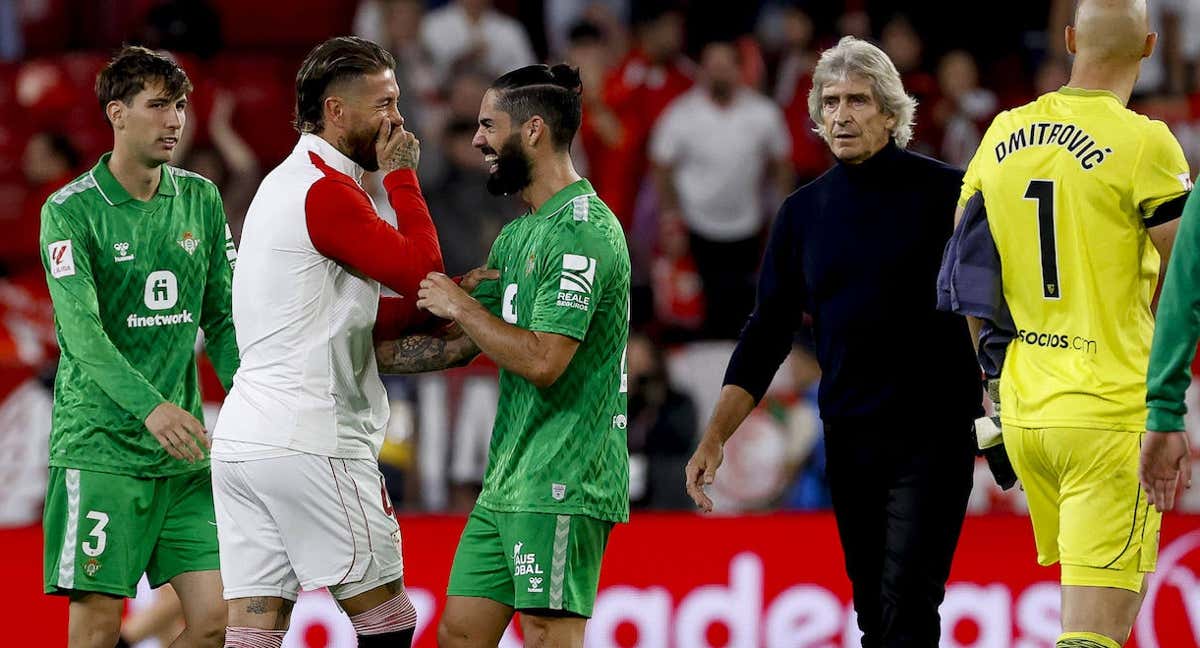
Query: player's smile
pixel 491 157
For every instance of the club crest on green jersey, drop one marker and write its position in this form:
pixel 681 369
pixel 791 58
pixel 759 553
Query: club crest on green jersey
pixel 189 243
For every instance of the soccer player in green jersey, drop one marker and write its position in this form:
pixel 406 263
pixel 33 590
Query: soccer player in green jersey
pixel 138 258
pixel 557 323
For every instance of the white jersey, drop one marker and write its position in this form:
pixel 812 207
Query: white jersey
pixel 308 381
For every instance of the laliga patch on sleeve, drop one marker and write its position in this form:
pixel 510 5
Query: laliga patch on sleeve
pixel 1186 180
pixel 62 259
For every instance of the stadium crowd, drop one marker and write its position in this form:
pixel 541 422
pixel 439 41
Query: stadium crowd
pixel 695 127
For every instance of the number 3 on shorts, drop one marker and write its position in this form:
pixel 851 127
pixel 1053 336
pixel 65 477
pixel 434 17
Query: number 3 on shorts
pixel 98 533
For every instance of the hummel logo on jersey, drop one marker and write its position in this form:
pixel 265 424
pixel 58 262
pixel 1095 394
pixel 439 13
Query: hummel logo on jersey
pixel 62 259
pixel 189 243
pixel 535 584
pixel 123 254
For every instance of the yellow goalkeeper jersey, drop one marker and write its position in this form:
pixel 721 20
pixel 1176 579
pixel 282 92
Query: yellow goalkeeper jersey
pixel 1071 182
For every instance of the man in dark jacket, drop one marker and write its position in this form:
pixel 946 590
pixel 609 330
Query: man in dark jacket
pixel 858 250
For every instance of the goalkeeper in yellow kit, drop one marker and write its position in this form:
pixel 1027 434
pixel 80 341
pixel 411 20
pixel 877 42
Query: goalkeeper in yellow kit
pixel 1082 199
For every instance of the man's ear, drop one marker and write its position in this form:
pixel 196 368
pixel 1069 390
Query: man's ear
pixel 115 110
pixel 334 109
pixel 535 130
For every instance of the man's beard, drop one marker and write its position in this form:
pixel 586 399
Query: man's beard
pixel 362 148
pixel 513 169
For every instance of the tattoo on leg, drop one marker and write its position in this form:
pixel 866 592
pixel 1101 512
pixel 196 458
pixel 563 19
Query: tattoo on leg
pixel 257 605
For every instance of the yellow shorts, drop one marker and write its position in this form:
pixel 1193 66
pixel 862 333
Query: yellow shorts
pixel 1088 510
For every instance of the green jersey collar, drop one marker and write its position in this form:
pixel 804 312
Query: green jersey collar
pixel 565 195
pixel 115 194
pixel 1085 92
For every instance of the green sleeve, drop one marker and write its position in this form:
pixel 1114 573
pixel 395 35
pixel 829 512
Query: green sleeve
pixel 570 281
pixel 220 340
pixel 66 251
pixel 1177 327
pixel 487 293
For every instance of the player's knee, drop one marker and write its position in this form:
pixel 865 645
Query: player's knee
pixel 208 627
pixel 452 633
pixel 95 620
pixel 537 632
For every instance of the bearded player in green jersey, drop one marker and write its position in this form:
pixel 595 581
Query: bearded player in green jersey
pixel 138 257
pixel 557 323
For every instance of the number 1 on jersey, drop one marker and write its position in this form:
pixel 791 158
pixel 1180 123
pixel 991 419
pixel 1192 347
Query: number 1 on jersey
pixel 1043 192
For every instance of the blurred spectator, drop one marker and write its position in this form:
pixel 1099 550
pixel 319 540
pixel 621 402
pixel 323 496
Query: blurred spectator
pixel 637 91
pixel 662 426
pixel 1052 74
pixel 805 445
pixel 600 130
pixel 229 163
pixel 712 150
pixel 562 16
pixel 472 31
pixel 396 25
pixel 903 45
pixel 183 26
pixel 678 292
pixel 49 162
pixel 793 78
pixel 964 109
pixel 468 218
pixel 1182 47
pixel 12 45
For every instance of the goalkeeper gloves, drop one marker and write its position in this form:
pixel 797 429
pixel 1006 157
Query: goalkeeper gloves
pixel 991 440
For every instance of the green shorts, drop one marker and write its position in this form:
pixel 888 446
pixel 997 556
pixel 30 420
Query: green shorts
pixel 531 561
pixel 103 531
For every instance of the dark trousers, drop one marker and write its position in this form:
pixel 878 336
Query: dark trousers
pixel 899 495
pixel 728 270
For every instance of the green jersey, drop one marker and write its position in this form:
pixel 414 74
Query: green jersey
pixel 1176 327
pixel 564 269
pixel 131 283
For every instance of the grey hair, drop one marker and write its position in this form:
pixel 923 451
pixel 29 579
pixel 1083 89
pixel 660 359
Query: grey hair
pixel 852 56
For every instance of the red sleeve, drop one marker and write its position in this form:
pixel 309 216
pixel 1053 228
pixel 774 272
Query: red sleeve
pixel 344 227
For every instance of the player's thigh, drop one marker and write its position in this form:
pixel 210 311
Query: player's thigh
pixel 204 607
pixel 1109 535
pixel 188 539
pixel 333 518
pixel 482 564
pixel 99 531
pixel 472 622
pixel 1040 480
pixel 555 560
pixel 542 630
pixel 254 560
pixel 262 612
pixel 377 533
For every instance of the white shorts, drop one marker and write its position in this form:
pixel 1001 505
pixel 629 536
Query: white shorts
pixel 304 522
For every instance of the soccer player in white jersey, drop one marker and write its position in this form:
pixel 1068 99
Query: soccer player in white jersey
pixel 300 501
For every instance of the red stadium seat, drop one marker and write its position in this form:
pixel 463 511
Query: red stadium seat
pixel 295 25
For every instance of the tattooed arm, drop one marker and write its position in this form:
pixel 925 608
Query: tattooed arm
pixel 422 352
